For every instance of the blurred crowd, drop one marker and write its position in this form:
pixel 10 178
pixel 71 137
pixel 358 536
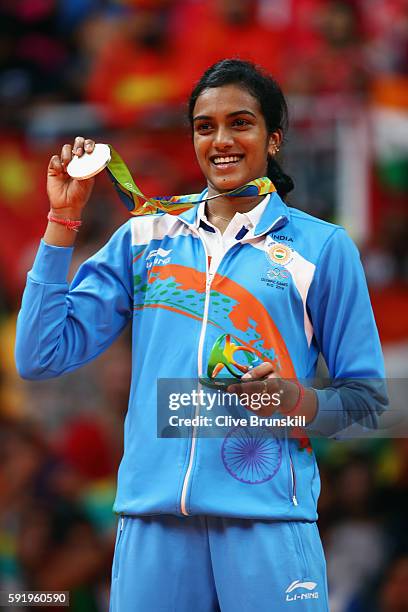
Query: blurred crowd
pixel 120 71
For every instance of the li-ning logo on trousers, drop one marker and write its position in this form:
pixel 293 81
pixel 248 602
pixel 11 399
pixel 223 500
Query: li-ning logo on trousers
pixel 297 584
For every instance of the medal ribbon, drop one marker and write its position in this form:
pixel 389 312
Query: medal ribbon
pixel 138 204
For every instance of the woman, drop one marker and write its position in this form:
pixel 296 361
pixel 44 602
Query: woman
pixel 199 529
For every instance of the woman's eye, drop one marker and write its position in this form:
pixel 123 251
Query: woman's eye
pixel 240 122
pixel 203 127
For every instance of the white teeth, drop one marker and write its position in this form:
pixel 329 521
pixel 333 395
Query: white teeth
pixel 226 160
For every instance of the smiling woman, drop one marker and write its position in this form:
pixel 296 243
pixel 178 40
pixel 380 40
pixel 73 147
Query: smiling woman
pixel 240 285
pixel 238 111
pixel 231 141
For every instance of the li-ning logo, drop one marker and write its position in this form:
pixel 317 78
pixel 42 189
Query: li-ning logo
pixel 158 257
pixel 297 584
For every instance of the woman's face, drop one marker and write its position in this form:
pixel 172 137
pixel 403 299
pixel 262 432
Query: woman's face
pixel 231 141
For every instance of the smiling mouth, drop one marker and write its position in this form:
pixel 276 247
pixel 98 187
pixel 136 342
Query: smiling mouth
pixel 226 160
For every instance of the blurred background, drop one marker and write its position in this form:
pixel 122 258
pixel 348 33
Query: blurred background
pixel 120 72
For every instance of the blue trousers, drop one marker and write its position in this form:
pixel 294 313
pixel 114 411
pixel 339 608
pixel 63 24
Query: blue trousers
pixel 169 563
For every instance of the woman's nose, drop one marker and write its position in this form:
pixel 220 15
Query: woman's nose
pixel 223 137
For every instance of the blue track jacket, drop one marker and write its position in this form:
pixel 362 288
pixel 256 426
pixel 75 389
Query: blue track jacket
pixel 292 290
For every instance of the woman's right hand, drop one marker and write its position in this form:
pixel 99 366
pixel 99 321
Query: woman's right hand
pixel 67 195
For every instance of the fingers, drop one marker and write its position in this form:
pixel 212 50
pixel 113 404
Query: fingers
pixel 264 369
pixel 66 155
pixel 258 380
pixel 83 145
pixel 55 166
pixel 89 145
pixel 78 147
pixel 265 385
pixel 256 386
pixel 58 163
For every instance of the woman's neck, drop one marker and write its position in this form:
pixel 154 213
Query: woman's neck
pixel 225 207
pixel 221 210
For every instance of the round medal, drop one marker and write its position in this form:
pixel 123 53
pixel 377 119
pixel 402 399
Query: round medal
pixel 89 164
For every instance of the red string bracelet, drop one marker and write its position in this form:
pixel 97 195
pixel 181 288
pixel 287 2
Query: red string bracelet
pixel 299 400
pixel 68 223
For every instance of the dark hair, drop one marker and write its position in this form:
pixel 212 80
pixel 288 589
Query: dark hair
pixel 264 89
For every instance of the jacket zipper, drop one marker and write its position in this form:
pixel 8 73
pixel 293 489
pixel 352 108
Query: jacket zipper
pixel 293 479
pixel 200 370
pixel 118 546
pixel 208 283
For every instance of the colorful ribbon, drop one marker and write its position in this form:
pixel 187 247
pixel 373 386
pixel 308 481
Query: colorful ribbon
pixel 139 204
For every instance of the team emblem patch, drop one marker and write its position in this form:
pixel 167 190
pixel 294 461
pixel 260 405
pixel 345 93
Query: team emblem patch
pixel 280 254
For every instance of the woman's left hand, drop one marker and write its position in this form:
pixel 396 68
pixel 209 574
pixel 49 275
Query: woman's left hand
pixel 279 395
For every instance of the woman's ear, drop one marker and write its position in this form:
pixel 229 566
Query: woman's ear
pixel 275 141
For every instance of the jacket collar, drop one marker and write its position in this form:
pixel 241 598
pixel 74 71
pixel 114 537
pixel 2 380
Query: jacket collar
pixel 190 216
pixel 275 215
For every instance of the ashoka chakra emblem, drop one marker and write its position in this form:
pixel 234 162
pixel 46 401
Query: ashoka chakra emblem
pixel 252 457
